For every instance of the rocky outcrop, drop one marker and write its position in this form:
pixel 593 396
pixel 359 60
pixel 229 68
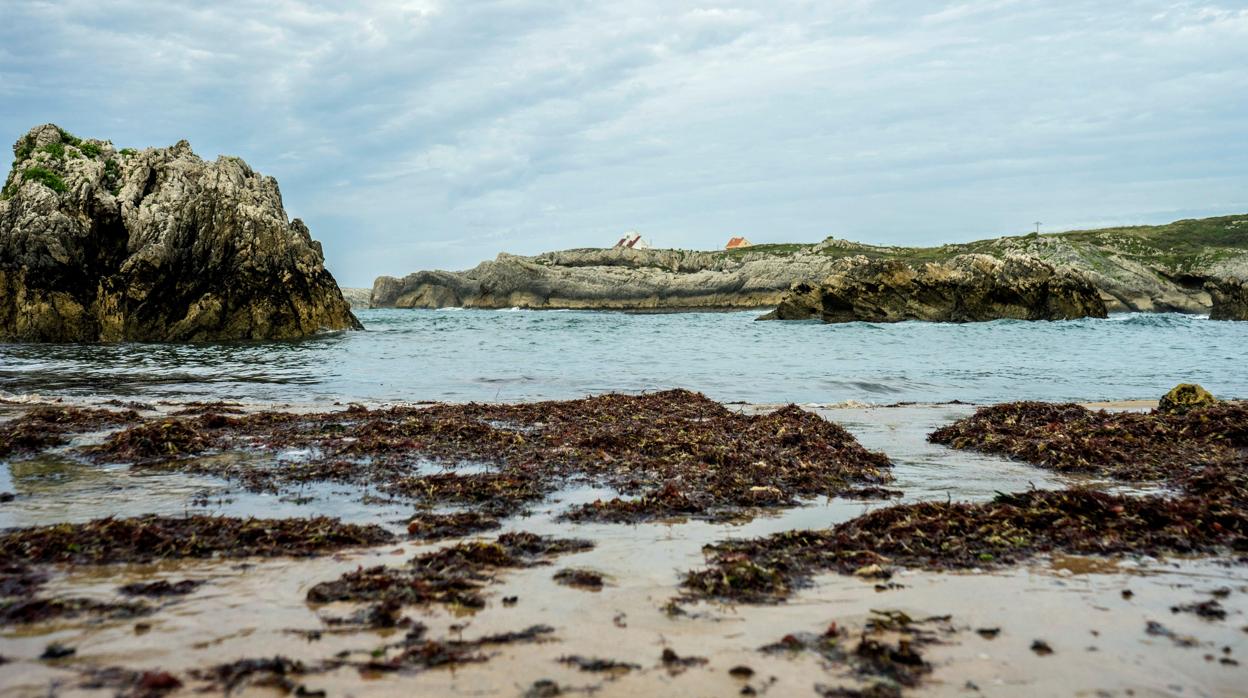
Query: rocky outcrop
pixel 1230 299
pixel 357 297
pixel 1186 397
pixel 624 279
pixel 967 288
pixel 100 244
pixel 1143 268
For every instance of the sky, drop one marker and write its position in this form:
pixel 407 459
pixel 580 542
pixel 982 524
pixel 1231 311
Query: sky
pixel 431 134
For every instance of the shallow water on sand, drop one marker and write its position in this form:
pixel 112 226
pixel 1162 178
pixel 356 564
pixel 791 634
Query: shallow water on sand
pixel 250 608
pixel 411 355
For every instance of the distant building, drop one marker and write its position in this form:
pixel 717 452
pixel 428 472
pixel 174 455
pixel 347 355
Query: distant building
pixel 633 240
pixel 735 243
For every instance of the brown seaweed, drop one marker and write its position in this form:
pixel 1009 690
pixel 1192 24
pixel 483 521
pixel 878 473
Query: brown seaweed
pixel 452 575
pixel 674 451
pixel 147 538
pixel 948 535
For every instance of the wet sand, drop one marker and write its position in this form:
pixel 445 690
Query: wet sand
pixel 257 608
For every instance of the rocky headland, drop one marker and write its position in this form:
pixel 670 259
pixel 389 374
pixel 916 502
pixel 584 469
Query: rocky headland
pixel 101 244
pixel 967 288
pixel 1188 266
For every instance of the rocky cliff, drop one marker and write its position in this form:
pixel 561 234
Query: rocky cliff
pixel 1145 268
pixel 100 244
pixel 967 288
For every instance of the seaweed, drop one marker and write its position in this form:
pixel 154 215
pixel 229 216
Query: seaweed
pixel 453 575
pixel 47 426
pixel 673 452
pixel 1154 446
pixel 129 683
pixel 161 588
pixel 886 652
pixel 597 664
pixel 146 538
pixel 35 610
pixel 435 527
pixel 948 535
pixel 580 579
pixel 156 440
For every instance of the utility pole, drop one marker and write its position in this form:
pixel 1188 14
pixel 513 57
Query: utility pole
pixel 1037 227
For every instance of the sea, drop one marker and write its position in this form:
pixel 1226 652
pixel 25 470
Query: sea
pixel 520 355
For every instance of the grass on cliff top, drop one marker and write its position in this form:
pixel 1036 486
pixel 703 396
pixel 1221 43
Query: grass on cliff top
pixel 1172 244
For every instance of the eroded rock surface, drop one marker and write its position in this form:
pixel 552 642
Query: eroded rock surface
pixel 100 244
pixel 967 288
pixel 1230 299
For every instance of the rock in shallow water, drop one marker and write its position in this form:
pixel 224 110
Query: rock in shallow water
pixel 967 288
pixel 98 244
pixel 1230 299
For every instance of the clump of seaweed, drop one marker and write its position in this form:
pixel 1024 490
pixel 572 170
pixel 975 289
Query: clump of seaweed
pixel 157 440
pixel 419 654
pixel 276 672
pixel 885 654
pixel 37 610
pixel 598 664
pixel 580 579
pixel 453 575
pixel 146 538
pixel 130 683
pixel 949 535
pixel 161 588
pixel 1154 446
pixel 673 452
pixel 47 426
pixel 434 527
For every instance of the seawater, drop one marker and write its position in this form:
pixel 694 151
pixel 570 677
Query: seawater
pixel 480 355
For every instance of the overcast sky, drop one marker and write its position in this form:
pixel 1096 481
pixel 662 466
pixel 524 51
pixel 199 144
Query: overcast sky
pixel 415 134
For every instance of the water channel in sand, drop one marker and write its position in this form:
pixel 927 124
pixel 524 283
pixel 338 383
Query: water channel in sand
pixel 257 608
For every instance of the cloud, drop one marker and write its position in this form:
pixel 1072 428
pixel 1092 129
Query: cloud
pixel 422 134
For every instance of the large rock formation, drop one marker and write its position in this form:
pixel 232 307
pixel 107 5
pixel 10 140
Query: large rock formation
pixel 1230 299
pixel 1144 268
pixel 98 244
pixel 607 279
pixel 967 288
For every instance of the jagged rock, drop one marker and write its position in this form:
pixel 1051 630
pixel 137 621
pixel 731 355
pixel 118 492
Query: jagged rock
pixel 1184 397
pixel 967 288
pixel 98 244
pixel 1230 299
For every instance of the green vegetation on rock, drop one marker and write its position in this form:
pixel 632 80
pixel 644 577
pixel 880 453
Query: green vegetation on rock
pixel 91 150
pixel 46 177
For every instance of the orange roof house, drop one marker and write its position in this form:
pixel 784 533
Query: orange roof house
pixel 735 243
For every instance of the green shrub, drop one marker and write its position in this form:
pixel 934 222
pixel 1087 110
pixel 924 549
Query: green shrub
pixel 56 150
pixel 9 189
pixel 69 138
pixel 25 148
pixel 91 150
pixel 46 177
pixel 112 176
pixel 129 151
